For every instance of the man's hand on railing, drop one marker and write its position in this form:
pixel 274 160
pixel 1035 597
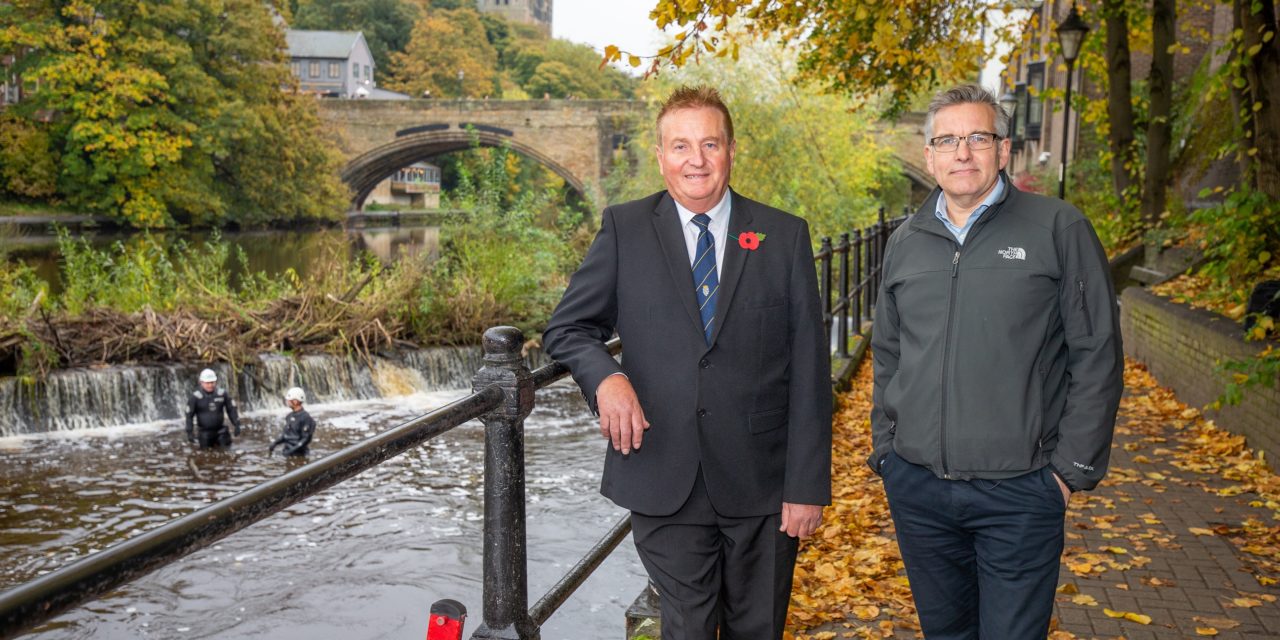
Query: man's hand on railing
pixel 621 418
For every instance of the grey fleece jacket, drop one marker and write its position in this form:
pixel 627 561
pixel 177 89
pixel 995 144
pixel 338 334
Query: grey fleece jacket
pixel 1002 355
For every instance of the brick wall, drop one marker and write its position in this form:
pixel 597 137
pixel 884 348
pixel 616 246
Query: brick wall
pixel 1181 345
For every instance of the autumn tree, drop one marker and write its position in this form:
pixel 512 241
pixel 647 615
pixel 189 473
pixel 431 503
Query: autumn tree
pixel 172 111
pixel 895 49
pixel 448 55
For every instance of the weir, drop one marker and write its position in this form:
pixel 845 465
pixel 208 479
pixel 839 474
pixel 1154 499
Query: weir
pixel 120 395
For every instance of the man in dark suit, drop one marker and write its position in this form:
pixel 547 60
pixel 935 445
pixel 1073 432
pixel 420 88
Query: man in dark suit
pixel 724 379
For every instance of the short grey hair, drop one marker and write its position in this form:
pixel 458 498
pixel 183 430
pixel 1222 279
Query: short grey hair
pixel 965 94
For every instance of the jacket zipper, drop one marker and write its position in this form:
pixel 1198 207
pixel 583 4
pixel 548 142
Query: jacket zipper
pixel 1084 307
pixel 946 358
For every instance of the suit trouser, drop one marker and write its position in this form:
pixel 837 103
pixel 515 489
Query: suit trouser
pixel 713 570
pixel 982 556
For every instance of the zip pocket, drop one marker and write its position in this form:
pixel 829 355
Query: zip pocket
pixel 1084 308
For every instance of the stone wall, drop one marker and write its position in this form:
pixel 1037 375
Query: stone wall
pixel 1181 345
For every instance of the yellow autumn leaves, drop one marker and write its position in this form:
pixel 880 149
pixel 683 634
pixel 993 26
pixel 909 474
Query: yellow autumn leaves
pixel 850 582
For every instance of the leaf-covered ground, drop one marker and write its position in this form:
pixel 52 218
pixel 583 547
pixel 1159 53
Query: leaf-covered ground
pixel 1181 540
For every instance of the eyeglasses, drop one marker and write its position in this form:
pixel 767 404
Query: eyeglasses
pixel 976 141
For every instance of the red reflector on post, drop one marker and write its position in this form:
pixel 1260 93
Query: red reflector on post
pixel 447 619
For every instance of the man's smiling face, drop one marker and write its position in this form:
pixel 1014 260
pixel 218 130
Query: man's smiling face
pixel 695 157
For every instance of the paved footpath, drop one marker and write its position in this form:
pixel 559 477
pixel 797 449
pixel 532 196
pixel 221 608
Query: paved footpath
pixel 1195 582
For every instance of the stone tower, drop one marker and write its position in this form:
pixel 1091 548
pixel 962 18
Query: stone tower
pixel 534 12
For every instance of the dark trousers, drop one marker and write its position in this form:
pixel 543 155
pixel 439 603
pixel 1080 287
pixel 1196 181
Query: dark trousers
pixel 210 438
pixel 712 571
pixel 982 556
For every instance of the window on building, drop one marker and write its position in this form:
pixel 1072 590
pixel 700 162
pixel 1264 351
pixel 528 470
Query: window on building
pixel 297 69
pixel 1017 131
pixel 367 74
pixel 355 70
pixel 1035 106
pixel 313 69
pixel 335 70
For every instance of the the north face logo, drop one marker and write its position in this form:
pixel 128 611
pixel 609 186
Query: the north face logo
pixel 1013 253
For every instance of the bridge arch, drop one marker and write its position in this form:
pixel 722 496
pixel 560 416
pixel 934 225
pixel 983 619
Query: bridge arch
pixel 365 171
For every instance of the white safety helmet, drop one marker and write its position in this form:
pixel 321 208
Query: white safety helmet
pixel 295 393
pixel 208 376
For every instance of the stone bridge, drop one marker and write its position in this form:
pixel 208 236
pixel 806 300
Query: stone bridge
pixel 574 138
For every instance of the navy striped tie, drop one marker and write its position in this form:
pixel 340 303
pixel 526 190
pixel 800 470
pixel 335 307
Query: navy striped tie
pixel 705 280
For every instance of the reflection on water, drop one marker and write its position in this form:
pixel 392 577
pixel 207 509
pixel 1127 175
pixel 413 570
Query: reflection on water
pixel 364 559
pixel 272 252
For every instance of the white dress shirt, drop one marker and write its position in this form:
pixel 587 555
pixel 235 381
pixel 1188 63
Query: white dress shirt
pixel 719 229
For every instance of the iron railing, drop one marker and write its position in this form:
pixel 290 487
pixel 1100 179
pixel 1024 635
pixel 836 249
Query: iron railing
pixel 854 262
pixel 502 397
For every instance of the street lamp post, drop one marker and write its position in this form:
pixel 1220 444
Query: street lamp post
pixel 460 76
pixel 1070 34
pixel 1009 102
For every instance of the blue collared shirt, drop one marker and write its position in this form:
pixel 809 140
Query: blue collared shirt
pixel 961 232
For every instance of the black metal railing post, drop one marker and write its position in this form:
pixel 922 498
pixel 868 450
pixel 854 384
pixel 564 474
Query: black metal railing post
pixel 506 597
pixel 842 333
pixel 861 311
pixel 824 253
pixel 877 244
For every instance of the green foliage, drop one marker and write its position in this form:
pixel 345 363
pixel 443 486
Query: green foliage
pixel 1240 237
pixel 174 111
pixel 1261 370
pixel 148 273
pixel 798 148
pixel 28 163
pixel 505 257
pixel 20 289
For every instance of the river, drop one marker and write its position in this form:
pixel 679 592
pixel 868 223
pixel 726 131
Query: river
pixel 364 559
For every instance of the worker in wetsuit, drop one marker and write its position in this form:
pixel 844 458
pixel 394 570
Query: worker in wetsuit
pixel 206 406
pixel 298 426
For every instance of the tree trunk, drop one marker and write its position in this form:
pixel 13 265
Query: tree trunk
pixel 1119 98
pixel 1163 37
pixel 1262 93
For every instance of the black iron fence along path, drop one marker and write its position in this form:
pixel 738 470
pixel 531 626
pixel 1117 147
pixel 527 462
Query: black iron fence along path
pixel 502 397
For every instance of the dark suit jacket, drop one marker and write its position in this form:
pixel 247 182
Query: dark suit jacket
pixel 754 409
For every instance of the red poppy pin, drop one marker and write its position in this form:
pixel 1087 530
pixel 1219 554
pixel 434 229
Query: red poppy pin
pixel 750 240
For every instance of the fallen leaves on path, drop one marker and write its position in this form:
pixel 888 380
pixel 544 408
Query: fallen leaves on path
pixel 850 581
pixel 849 576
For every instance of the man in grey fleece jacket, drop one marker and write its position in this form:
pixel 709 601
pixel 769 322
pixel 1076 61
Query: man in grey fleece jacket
pixel 998 372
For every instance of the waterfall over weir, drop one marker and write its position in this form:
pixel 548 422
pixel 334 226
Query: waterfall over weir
pixel 119 395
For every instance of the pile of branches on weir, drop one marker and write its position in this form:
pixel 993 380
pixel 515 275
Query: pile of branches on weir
pixel 309 321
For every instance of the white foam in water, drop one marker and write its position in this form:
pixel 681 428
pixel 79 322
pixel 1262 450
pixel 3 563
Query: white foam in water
pixel 80 400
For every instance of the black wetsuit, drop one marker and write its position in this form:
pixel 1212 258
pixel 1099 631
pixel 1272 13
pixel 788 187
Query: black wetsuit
pixel 207 410
pixel 296 438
